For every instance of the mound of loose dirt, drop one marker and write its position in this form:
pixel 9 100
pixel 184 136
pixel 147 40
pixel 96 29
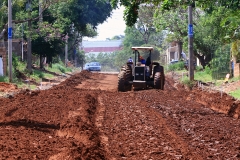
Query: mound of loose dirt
pixel 84 117
pixel 229 87
pixel 8 87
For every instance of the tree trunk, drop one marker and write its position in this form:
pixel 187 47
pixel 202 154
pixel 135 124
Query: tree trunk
pixel 41 61
pixel 207 59
pixel 49 61
pixel 179 49
pixel 201 59
pixel 29 47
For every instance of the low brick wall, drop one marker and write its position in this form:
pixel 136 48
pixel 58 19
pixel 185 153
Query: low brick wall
pixel 3 53
pixel 236 72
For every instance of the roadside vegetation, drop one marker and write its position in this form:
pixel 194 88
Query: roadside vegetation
pixel 21 76
pixel 235 93
pixel 201 75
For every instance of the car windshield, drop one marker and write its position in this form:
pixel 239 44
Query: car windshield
pixel 174 61
pixel 94 64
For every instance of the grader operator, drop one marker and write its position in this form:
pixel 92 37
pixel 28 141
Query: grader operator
pixel 138 75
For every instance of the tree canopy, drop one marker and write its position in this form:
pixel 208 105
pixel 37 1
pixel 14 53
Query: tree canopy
pixel 57 20
pixel 215 22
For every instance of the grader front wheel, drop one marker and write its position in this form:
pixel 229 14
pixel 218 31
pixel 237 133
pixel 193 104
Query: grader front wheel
pixel 124 76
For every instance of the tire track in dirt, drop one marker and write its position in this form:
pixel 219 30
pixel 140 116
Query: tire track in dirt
pixel 81 125
pixel 176 140
pixel 202 129
pixel 136 126
pixel 100 115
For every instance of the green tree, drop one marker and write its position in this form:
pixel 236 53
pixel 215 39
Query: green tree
pixel 80 58
pixel 74 18
pixel 132 6
pixel 117 37
pixel 132 37
pixel 48 49
pixel 144 31
pixel 175 22
pixel 145 22
pixel 122 56
pixel 207 37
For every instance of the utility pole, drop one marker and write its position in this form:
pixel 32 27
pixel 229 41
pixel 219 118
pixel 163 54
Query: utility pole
pixel 29 42
pixel 22 42
pixel 10 40
pixel 190 44
pixel 40 22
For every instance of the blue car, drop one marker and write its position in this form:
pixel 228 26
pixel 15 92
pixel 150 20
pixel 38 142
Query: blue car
pixel 174 61
pixel 92 66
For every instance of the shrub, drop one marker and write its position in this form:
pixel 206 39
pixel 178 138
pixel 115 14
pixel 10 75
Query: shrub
pixel 176 66
pixel 61 68
pixel 3 78
pixel 186 81
pixel 208 70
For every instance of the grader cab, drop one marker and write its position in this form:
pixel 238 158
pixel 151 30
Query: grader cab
pixel 141 76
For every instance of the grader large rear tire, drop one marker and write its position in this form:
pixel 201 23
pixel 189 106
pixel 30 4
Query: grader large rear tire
pixel 121 81
pixel 157 80
pixel 159 77
pixel 124 76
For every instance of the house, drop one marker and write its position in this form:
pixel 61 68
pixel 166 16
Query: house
pixel 96 47
pixel 3 63
pixel 16 49
pixel 172 52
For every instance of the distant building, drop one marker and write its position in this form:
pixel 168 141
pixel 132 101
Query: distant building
pixel 16 46
pixel 172 52
pixel 173 55
pixel 16 49
pixel 3 63
pixel 96 47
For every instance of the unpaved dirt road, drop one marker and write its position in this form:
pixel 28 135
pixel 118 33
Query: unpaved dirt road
pixel 86 118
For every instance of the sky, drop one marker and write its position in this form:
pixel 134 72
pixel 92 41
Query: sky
pixel 113 26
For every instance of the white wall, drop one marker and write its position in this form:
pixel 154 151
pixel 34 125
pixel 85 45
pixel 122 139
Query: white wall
pixel 1 66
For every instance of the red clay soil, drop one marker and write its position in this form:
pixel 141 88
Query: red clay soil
pixel 7 87
pixel 86 118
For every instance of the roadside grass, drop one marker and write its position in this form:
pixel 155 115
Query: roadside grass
pixel 203 76
pixel 185 80
pixel 59 68
pixel 175 67
pixel 235 94
pixel 36 75
pixel 4 79
pixel 26 86
pixel 234 79
pixel 19 65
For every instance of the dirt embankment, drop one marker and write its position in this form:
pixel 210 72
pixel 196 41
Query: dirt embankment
pixel 85 117
pixel 7 87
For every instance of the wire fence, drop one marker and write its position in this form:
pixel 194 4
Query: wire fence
pixel 221 63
